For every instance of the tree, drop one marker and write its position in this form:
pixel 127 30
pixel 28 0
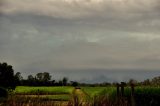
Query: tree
pixel 60 83
pixel 30 80
pixel 65 80
pixel 43 77
pixel 156 80
pixel 74 83
pixel 30 77
pixel 132 81
pixel 39 76
pixel 3 92
pixel 18 78
pixel 46 77
pixel 53 82
pixel 146 82
pixel 7 79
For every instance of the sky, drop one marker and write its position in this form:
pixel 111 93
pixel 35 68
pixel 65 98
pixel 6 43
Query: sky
pixel 85 40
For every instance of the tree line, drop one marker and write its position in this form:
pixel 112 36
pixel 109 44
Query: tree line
pixel 9 80
pixel 40 79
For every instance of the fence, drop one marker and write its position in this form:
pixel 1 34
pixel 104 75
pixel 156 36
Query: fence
pixel 120 93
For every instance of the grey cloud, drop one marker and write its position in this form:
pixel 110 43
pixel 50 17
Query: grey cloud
pixel 58 36
pixel 69 44
pixel 81 8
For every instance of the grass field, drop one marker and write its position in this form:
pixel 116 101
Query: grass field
pixel 49 95
pixel 93 96
pixel 62 97
pixel 151 90
pixel 95 91
pixel 26 90
pixel 148 90
pixel 89 91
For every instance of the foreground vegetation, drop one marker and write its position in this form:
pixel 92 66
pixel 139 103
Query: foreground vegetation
pixel 82 96
pixel 39 96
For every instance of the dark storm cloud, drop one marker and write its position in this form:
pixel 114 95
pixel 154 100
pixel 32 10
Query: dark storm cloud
pixel 58 36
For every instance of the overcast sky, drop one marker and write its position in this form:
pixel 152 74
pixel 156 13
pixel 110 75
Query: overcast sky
pixel 81 37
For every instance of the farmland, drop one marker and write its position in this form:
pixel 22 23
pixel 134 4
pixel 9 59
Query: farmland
pixel 50 94
pixel 40 90
pixel 95 91
pixel 26 95
pixel 27 90
pixel 85 96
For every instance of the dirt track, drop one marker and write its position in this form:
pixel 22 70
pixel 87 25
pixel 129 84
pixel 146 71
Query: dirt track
pixel 80 98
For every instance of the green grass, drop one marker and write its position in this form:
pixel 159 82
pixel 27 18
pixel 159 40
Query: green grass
pixel 147 90
pixel 111 91
pixel 26 90
pixel 64 93
pixel 95 91
pixel 92 91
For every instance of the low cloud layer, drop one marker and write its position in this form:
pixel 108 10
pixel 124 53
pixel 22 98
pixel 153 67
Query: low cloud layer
pixel 62 35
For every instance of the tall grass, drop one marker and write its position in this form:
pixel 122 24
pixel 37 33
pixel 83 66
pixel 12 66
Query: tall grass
pixel 34 101
pixel 27 90
pixel 97 91
pixel 106 96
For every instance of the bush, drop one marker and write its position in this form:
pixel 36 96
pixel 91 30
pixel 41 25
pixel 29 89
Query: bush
pixel 3 92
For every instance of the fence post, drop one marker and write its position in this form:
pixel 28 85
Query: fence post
pixel 117 89
pixel 122 88
pixel 132 89
pixel 118 93
pixel 132 95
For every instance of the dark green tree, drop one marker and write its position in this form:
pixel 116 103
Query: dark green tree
pixel 132 81
pixel 60 82
pixel 18 78
pixel 3 92
pixel 30 78
pixel 156 80
pixel 7 79
pixel 74 83
pixel 43 78
pixel 39 76
pixel 46 76
pixel 65 80
pixel 146 82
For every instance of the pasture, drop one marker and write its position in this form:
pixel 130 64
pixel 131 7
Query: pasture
pixel 85 96
pixel 27 90
pixel 41 96
pixel 97 91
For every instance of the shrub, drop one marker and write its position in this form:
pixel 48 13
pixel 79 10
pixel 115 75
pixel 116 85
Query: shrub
pixel 3 92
